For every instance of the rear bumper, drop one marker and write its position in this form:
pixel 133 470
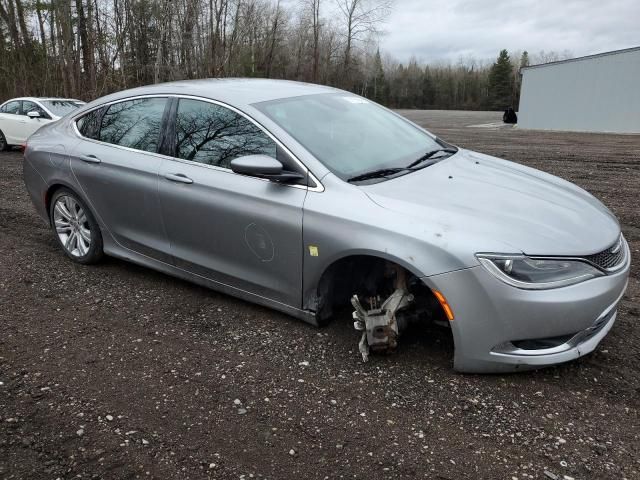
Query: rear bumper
pixel 499 328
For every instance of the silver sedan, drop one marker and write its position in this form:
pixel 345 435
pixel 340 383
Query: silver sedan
pixel 316 202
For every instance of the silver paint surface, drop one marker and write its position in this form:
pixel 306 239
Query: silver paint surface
pixel 250 238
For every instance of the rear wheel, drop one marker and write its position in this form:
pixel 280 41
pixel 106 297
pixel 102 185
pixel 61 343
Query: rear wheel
pixel 3 142
pixel 75 227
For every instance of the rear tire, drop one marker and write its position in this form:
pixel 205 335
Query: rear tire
pixel 4 146
pixel 75 227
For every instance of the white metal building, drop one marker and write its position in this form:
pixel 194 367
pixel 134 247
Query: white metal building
pixel 597 93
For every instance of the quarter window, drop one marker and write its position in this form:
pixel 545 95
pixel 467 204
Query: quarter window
pixel 11 107
pixel 133 123
pixel 214 135
pixel 89 124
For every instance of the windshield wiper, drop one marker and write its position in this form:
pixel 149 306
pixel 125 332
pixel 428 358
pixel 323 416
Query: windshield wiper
pixel 430 154
pixel 380 173
pixel 385 172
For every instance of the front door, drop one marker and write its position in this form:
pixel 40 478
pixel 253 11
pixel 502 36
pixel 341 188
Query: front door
pixel 117 166
pixel 32 124
pixel 239 231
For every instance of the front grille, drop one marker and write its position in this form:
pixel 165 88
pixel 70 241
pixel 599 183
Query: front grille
pixel 610 258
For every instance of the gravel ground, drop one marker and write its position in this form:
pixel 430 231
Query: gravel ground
pixel 114 371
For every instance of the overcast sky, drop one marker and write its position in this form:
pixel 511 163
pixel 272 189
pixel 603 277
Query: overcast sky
pixel 433 30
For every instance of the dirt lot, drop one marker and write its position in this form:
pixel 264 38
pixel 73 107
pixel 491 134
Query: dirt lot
pixel 115 371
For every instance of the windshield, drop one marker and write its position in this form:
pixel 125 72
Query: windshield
pixel 61 107
pixel 349 134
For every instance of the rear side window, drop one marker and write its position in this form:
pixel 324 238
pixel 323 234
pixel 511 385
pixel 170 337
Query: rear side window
pixel 214 135
pixel 11 107
pixel 133 123
pixel 89 124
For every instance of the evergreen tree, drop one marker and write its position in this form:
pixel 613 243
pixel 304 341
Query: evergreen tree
pixel 380 93
pixel 524 62
pixel 501 83
pixel 428 89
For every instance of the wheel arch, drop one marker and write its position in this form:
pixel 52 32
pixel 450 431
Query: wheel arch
pixel 94 250
pixel 317 293
pixel 56 185
pixel 50 192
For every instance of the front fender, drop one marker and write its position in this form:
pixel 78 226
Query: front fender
pixel 342 221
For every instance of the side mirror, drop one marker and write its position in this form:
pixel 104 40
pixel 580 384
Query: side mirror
pixel 33 114
pixel 263 166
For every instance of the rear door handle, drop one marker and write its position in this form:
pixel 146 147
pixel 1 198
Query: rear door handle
pixel 90 158
pixel 178 177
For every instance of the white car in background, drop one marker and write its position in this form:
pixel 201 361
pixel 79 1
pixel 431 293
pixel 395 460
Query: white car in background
pixel 21 117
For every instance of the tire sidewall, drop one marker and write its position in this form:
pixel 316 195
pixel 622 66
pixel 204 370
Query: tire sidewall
pixel 95 252
pixel 3 142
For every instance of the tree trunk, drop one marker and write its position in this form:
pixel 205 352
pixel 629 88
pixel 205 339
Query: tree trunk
pixel 316 39
pixel 87 55
pixel 274 40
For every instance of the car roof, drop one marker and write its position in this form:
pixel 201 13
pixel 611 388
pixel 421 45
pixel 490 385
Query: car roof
pixel 40 99
pixel 234 91
pixel 54 99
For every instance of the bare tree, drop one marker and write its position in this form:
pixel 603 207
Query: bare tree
pixel 87 48
pixel 314 8
pixel 361 18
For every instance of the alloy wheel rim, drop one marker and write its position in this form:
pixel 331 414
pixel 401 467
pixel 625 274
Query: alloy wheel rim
pixel 72 226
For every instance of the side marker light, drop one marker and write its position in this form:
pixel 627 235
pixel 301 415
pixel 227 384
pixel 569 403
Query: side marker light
pixel 444 304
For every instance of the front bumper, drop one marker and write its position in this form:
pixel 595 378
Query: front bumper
pixel 499 328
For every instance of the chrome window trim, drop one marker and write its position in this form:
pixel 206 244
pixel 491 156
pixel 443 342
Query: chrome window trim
pixel 318 188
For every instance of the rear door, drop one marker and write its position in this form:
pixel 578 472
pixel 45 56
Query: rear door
pixel 117 164
pixel 11 122
pixel 240 231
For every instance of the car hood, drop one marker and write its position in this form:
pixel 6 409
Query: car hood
pixel 495 203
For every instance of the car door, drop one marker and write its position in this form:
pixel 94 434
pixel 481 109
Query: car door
pixel 240 231
pixel 11 122
pixel 31 125
pixel 117 164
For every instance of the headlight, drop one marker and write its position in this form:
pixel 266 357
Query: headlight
pixel 537 273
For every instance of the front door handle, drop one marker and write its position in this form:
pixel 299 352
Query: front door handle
pixel 90 159
pixel 178 177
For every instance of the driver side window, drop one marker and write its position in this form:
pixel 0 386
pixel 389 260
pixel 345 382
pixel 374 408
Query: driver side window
pixel 214 135
pixel 28 106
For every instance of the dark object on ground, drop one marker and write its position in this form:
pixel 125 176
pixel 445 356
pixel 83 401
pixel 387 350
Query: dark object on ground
pixel 510 116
